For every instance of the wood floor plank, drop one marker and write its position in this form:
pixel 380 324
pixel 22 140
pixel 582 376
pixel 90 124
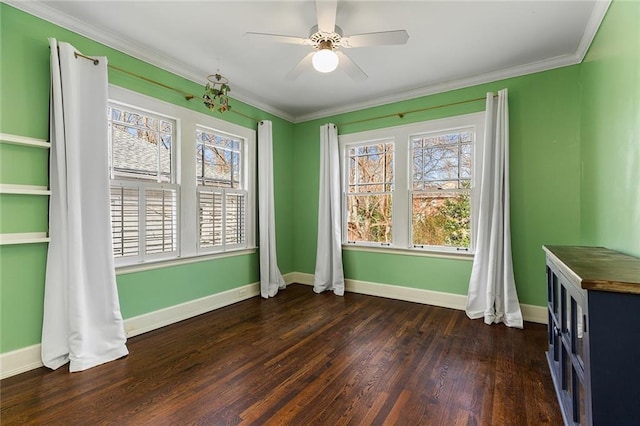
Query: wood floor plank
pixel 304 359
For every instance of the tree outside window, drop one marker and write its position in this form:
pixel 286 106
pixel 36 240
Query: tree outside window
pixel 369 195
pixel 440 203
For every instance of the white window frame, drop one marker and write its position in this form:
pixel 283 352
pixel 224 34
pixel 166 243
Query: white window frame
pixel 187 121
pixel 244 178
pixel 401 196
pixel 432 191
pixel 142 185
pixel 345 192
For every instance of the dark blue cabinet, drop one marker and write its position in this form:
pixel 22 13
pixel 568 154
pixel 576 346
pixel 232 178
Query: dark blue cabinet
pixel 593 298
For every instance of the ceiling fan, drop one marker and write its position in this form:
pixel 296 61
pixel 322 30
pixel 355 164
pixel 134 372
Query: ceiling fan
pixel 327 41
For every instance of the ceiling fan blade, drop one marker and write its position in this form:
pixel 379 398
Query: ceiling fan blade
pixel 280 38
pixel 297 70
pixel 326 13
pixel 383 38
pixel 350 67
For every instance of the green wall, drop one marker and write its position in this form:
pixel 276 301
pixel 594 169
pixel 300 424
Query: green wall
pixel 545 186
pixel 575 172
pixel 610 133
pixel 24 111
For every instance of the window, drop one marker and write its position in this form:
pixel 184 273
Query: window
pixel 221 190
pixel 441 189
pixel 182 182
pixel 370 185
pixel 413 187
pixel 144 193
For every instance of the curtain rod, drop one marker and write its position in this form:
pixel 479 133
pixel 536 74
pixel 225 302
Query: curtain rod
pixel 78 54
pixel 187 96
pixel 402 114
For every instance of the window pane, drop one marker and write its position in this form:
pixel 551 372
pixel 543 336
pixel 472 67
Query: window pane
pixel 371 164
pixel 166 126
pixel 210 226
pixel 140 145
pixel 165 158
pixel 441 219
pixel 438 140
pixel 219 169
pixel 160 220
pixel 441 163
pixel 372 169
pixel 369 218
pixel 199 163
pixel 135 153
pixel 353 172
pixel 124 221
pixel 465 161
pixel 235 170
pixel 418 164
pixel 219 160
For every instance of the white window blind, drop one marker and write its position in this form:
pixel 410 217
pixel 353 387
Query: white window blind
pixel 221 191
pixel 125 213
pixel 235 208
pixel 144 220
pixel 160 220
pixel 210 217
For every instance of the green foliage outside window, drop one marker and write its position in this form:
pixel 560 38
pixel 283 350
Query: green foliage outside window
pixel 445 224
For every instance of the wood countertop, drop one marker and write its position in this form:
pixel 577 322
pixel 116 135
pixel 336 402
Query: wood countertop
pixel 598 268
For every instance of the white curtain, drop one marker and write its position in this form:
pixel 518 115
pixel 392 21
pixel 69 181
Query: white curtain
pixel 329 273
pixel 270 277
pixel 82 322
pixel 492 288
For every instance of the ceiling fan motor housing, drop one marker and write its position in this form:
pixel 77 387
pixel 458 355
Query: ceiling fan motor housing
pixel 322 40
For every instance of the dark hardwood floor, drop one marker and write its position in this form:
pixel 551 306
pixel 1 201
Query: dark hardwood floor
pixel 300 359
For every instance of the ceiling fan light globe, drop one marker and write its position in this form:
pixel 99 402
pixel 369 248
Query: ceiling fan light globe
pixel 325 60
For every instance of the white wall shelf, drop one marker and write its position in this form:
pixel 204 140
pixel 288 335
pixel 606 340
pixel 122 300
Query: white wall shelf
pixel 8 188
pixel 23 238
pixel 24 140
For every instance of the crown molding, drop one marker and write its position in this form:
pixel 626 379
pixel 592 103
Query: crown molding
pixel 597 15
pixel 134 49
pixel 138 51
pixel 531 68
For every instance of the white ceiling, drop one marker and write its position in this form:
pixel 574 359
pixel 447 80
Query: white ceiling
pixel 451 44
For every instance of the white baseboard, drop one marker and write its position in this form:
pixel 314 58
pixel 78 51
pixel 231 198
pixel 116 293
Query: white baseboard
pixel 25 359
pixel 532 313
pixel 20 361
pixel 153 320
pixel 298 278
pixel 29 358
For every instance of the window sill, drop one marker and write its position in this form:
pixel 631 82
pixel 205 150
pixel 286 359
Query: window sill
pixel 147 266
pixel 409 252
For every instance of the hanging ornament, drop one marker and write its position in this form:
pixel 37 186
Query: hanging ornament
pixel 216 93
